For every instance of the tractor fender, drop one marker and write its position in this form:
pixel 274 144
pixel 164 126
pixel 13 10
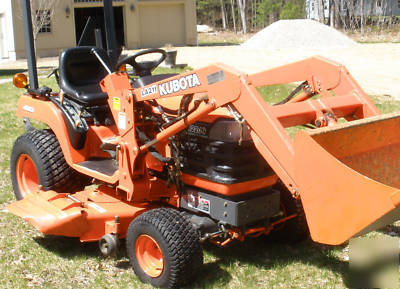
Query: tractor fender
pixel 48 113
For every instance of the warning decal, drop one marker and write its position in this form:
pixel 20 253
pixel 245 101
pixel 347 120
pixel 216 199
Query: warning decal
pixel 122 120
pixel 116 103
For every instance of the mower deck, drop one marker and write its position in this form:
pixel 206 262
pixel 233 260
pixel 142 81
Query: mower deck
pixel 87 214
pixel 173 174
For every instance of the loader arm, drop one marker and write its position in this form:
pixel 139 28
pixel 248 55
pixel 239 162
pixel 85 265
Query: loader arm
pixel 306 164
pixel 227 86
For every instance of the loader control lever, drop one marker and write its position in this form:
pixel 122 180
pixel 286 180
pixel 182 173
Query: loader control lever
pixel 106 67
pixel 143 68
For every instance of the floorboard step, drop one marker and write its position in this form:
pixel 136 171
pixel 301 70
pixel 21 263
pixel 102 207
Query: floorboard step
pixel 103 166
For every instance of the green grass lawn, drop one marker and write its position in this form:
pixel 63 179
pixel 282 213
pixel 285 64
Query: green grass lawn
pixel 30 260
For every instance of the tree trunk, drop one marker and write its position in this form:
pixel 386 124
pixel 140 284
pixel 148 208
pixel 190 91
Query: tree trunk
pixel 346 18
pixel 242 10
pixel 271 17
pixel 255 15
pixel 332 13
pixel 253 19
pixel 391 15
pixel 371 12
pixel 223 14
pixel 362 15
pixel 371 8
pixel 337 13
pixel 321 12
pixel 213 19
pixel 233 15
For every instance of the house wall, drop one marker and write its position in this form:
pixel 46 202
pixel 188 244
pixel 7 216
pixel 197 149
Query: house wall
pixel 62 33
pixel 7 43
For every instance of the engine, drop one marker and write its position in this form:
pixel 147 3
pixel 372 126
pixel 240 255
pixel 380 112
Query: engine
pixel 227 168
pixel 221 152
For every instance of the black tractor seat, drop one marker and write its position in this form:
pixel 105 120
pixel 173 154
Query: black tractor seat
pixel 81 73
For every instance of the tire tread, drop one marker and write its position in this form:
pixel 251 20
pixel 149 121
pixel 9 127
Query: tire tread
pixel 55 173
pixel 185 253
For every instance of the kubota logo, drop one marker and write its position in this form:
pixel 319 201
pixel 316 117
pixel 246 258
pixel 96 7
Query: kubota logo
pixel 176 85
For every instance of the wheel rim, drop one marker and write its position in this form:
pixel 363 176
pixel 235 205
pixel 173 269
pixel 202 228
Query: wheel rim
pixel 27 177
pixel 149 256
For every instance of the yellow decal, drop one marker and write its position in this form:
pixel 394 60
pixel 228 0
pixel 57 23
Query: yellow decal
pixel 117 103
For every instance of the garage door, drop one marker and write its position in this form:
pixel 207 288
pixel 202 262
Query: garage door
pixel 162 24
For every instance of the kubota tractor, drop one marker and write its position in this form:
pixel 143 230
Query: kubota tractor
pixel 176 160
pixel 200 157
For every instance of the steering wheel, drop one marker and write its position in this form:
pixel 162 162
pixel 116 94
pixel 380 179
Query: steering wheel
pixel 143 68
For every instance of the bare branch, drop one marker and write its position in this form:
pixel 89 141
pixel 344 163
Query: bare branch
pixel 42 15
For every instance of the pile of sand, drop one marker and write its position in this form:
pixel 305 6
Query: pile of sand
pixel 302 33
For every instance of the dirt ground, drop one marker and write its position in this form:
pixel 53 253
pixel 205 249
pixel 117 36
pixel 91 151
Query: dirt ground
pixel 375 66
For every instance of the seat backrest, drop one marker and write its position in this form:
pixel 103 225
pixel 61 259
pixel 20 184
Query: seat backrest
pixel 79 69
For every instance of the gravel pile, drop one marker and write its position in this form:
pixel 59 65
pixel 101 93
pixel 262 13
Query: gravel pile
pixel 300 33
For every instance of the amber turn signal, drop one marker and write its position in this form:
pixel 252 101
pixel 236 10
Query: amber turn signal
pixel 122 68
pixel 20 80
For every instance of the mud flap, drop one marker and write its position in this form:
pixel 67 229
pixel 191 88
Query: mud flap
pixel 348 177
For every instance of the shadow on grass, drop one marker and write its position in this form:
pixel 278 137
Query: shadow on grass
pixel 67 247
pixel 211 274
pixel 267 255
pixel 260 252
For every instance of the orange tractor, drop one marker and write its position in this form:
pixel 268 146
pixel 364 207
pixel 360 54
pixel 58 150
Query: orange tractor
pixel 183 159
pixel 176 160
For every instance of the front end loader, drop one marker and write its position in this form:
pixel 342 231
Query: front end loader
pixel 176 160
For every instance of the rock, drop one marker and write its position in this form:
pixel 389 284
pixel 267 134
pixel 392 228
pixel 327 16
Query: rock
pixel 302 33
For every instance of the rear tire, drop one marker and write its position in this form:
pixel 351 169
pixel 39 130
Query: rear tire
pixel 37 160
pixel 164 248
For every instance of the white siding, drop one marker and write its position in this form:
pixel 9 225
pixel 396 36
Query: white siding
pixel 7 43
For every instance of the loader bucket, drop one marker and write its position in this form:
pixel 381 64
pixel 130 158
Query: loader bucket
pixel 348 177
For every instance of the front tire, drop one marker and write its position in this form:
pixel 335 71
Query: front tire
pixel 293 230
pixel 164 248
pixel 37 160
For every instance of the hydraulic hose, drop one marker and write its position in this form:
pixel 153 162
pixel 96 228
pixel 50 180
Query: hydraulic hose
pixel 293 93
